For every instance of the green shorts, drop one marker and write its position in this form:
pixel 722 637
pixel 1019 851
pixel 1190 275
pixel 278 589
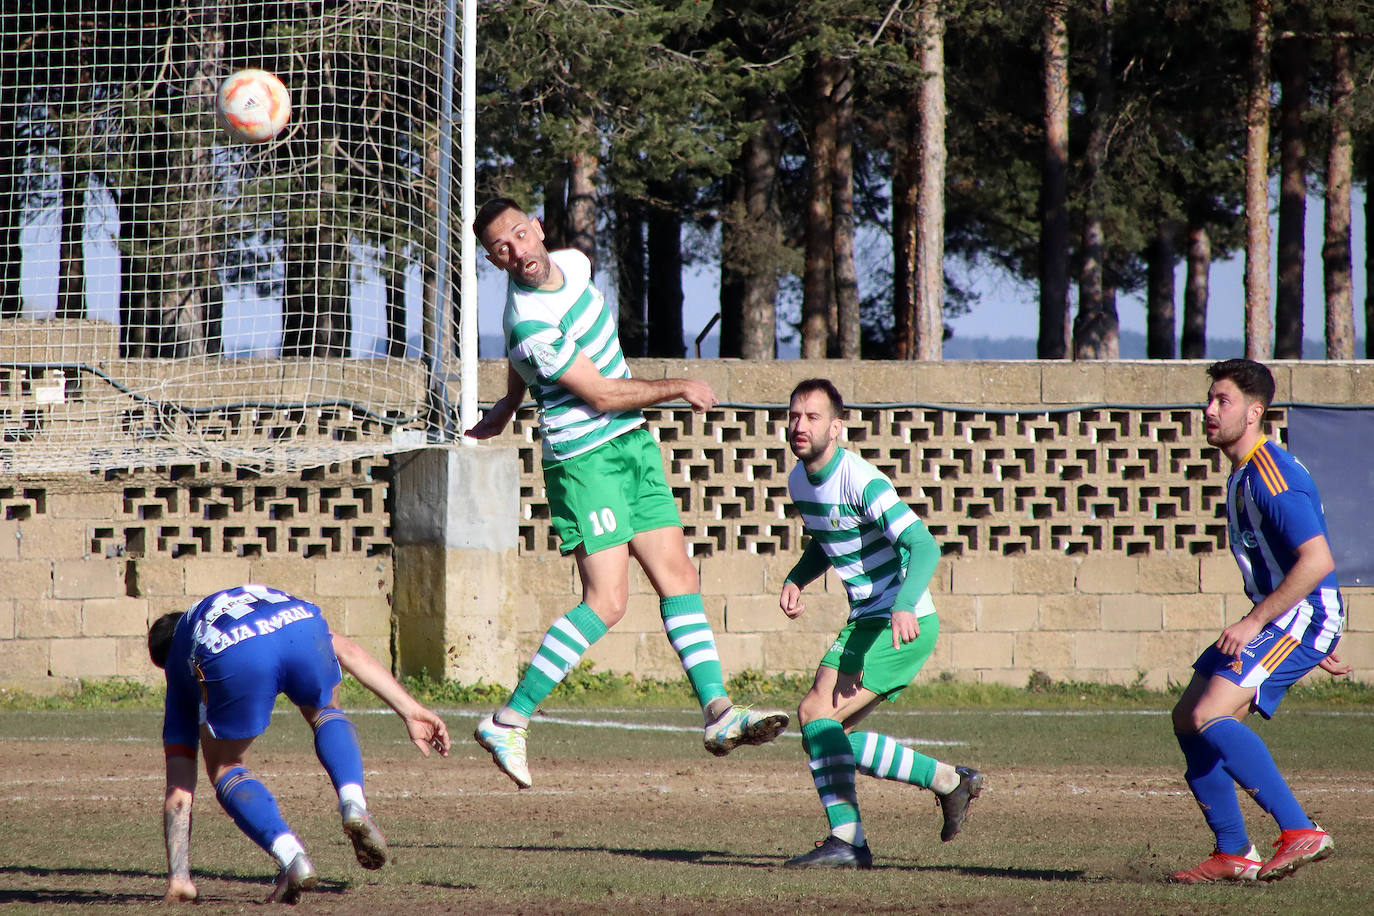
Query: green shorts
pixel 864 647
pixel 606 496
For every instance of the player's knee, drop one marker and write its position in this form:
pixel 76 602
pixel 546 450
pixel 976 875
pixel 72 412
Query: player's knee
pixel 610 608
pixel 813 706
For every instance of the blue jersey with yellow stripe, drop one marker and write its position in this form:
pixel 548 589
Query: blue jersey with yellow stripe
pixel 1272 508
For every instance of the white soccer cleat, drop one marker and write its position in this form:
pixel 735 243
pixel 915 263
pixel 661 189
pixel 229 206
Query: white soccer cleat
pixel 507 746
pixel 741 725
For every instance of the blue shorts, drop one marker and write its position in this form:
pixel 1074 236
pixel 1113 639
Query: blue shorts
pixel 1271 663
pixel 241 683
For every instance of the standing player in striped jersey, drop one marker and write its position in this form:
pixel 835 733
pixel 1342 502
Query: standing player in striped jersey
pixel 885 557
pixel 604 478
pixel 1278 535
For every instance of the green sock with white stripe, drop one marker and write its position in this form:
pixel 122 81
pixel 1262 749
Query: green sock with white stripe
pixel 881 756
pixel 562 648
pixel 684 620
pixel 832 769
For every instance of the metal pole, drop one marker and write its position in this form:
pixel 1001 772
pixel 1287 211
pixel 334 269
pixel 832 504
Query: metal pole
pixel 440 349
pixel 467 287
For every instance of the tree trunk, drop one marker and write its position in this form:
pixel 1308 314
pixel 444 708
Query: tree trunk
pixel 1340 311
pixel 930 202
pixel 751 241
pixel 71 259
pixel 906 178
pixel 665 273
pixel 629 274
pixel 1293 64
pixel 1096 331
pixel 848 327
pixel 1194 343
pixel 1258 329
pixel 556 209
pixel 818 288
pixel 1053 341
pixel 582 203
pixel 1369 262
pixel 394 281
pixel 1159 300
pixel 11 201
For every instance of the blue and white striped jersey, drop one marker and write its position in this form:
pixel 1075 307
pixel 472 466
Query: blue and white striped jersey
pixel 1272 507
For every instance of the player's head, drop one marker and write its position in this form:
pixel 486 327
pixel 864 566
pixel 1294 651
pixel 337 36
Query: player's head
pixel 1240 393
pixel 514 241
pixel 815 420
pixel 160 637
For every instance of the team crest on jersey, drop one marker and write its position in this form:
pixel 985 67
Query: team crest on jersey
pixel 834 517
pixel 544 355
pixel 1264 636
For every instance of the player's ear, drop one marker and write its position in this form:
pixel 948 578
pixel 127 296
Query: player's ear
pixel 538 225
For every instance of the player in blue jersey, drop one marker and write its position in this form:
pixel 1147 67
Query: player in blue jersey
pixel 226 660
pixel 862 531
pixel 1277 533
pixel 603 474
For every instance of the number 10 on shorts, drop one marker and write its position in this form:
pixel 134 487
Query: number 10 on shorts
pixel 602 521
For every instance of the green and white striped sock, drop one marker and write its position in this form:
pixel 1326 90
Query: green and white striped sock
pixel 832 769
pixel 684 620
pixel 881 756
pixel 562 648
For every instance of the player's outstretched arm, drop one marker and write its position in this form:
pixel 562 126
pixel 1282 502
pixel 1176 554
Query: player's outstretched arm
pixel 426 729
pixel 1333 666
pixel 608 394
pixel 496 419
pixel 176 827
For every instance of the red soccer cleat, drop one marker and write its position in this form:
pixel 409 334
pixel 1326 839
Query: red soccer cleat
pixel 1222 866
pixel 1295 849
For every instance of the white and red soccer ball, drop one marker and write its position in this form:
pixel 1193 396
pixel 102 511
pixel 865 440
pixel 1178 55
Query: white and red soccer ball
pixel 253 105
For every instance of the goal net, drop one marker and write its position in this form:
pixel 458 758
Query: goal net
pixel 169 293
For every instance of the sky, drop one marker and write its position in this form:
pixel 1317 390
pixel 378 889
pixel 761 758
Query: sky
pixel 1006 307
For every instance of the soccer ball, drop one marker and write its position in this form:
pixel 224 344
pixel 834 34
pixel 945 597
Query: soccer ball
pixel 253 106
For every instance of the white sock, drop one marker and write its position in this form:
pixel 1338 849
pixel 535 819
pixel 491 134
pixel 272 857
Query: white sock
pixel 853 834
pixel 285 848
pixel 351 792
pixel 945 781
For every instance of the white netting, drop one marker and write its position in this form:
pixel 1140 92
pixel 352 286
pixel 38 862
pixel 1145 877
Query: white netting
pixel 168 292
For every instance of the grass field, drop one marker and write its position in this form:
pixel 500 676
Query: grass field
pixel 1085 812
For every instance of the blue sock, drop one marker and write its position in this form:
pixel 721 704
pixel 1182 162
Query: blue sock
pixel 1215 792
pixel 251 806
pixel 1246 757
pixel 336 744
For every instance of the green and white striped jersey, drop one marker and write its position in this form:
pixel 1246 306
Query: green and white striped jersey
pixel 545 330
pixel 853 512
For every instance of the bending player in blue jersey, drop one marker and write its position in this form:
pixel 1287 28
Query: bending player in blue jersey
pixel 1277 533
pixel 884 556
pixel 226 660
pixel 603 474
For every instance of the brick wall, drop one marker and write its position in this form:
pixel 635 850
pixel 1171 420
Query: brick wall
pixel 1075 504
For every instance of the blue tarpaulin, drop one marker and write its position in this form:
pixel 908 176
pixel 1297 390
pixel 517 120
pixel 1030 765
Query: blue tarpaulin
pixel 1337 446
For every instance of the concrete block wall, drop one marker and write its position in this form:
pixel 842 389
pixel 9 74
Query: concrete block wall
pixel 89 563
pixel 1081 543
pixel 1139 610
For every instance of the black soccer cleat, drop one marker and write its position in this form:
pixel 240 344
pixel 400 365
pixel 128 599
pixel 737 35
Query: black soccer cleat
pixel 954 806
pixel 833 852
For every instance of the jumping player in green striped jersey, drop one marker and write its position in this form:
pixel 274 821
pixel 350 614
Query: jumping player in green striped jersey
pixel 884 556
pixel 603 474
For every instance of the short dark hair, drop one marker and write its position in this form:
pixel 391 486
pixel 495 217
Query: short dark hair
pixel 1253 379
pixel 806 386
pixel 490 210
pixel 160 637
